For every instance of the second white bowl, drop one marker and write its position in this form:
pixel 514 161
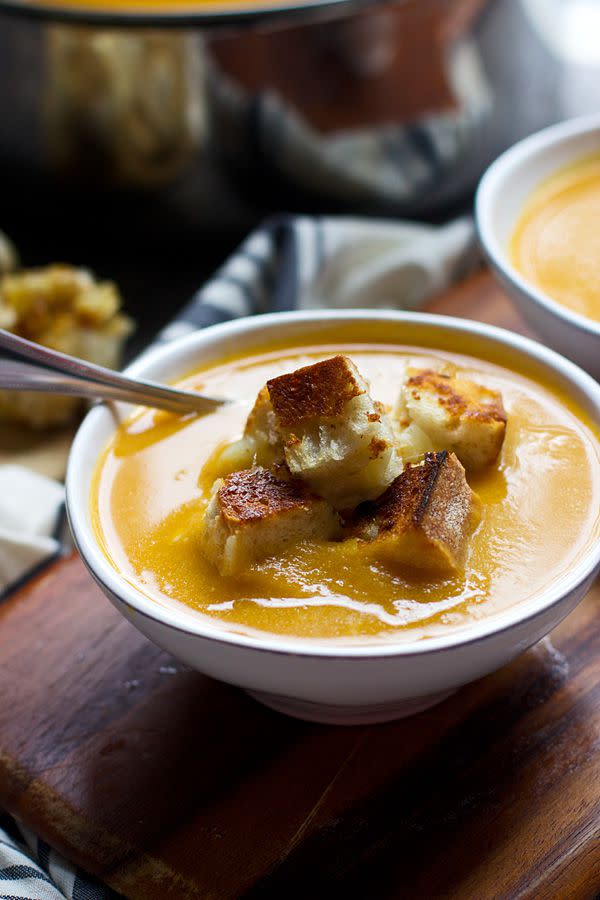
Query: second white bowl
pixel 501 195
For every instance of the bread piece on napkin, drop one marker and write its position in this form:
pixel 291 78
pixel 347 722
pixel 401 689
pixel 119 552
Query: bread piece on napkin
pixel 67 310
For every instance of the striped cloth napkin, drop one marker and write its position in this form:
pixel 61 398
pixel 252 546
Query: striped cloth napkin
pixel 289 263
pixel 306 263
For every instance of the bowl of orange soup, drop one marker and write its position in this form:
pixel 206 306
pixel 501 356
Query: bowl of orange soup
pixel 161 12
pixel 537 209
pixel 391 505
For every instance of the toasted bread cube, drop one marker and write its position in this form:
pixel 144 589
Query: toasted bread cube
pixel 336 438
pixel 425 517
pixel 253 515
pixel 454 414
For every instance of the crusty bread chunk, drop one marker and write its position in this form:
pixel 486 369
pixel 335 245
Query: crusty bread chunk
pixel 253 515
pixel 336 438
pixel 425 517
pixel 450 413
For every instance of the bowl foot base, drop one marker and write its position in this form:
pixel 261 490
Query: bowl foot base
pixel 348 715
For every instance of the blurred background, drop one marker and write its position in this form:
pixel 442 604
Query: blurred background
pixel 145 145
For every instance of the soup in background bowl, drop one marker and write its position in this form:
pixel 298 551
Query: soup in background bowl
pixel 556 242
pixel 534 210
pixel 320 630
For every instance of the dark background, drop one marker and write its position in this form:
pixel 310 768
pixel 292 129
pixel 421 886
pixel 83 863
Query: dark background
pixel 159 260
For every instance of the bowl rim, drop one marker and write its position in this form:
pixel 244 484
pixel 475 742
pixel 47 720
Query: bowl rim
pixel 489 193
pixel 209 14
pixel 187 621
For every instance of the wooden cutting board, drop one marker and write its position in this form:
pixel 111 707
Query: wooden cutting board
pixel 169 785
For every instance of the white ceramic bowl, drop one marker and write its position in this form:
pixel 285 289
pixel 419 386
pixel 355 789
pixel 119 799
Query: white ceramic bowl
pixel 500 197
pixel 309 678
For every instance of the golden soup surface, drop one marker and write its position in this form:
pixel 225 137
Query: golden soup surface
pixel 540 512
pixel 168 7
pixel 556 243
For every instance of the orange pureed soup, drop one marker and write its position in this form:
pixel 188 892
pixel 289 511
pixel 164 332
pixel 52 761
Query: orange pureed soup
pixel 157 6
pixel 556 242
pixel 540 511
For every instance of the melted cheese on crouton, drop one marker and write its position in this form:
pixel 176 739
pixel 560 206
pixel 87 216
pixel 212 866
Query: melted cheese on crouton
pixel 260 445
pixel 253 515
pixel 425 517
pixel 451 413
pixel 336 438
pixel 261 429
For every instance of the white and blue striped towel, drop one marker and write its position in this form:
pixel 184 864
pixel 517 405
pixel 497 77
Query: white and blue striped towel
pixel 307 262
pixel 290 263
pixel 31 870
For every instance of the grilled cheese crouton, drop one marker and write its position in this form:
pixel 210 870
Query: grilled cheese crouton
pixel 425 517
pixel 336 438
pixel 253 515
pixel 452 414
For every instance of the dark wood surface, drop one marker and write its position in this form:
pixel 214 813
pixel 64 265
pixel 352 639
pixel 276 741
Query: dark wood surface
pixel 160 246
pixel 169 785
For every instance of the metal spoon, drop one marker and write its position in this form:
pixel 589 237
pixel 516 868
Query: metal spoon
pixel 57 373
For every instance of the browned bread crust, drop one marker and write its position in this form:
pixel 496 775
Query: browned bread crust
pixel 254 495
pixel 425 516
pixel 480 403
pixel 254 515
pixel 321 390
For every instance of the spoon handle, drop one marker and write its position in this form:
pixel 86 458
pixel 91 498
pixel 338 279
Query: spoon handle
pixel 16 376
pixel 136 390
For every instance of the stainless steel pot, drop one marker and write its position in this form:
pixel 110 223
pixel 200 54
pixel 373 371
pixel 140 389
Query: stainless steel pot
pixel 390 108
